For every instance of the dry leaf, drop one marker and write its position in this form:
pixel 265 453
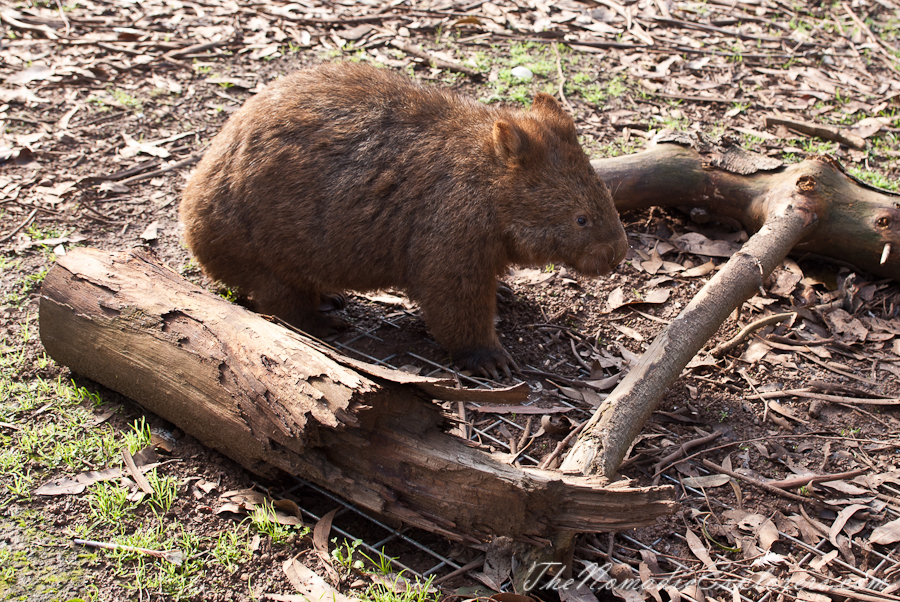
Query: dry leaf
pixel 817 563
pixel 699 550
pixel 511 597
pixel 715 480
pixel 530 276
pixel 767 534
pixel 755 352
pixel 36 72
pixel 629 332
pixel 78 483
pixel 151 231
pixel 616 299
pixel 700 270
pixel 867 127
pixel 311 586
pixel 785 278
pixel 886 534
pixel 842 518
pixel 842 324
pixel 580 593
pixel 694 242
pixel 21 95
pixel 321 532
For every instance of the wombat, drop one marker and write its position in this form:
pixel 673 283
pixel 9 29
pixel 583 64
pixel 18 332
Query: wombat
pixel 347 176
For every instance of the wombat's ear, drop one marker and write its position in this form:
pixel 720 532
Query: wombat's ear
pixel 546 104
pixel 554 115
pixel 509 141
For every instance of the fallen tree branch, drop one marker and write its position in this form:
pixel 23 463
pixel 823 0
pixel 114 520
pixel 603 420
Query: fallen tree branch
pixel 622 415
pixel 825 132
pixel 811 206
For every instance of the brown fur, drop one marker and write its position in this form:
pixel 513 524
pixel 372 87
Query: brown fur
pixel 346 176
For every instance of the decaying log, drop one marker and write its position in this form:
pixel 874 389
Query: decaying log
pixel 273 399
pixel 811 206
pixel 855 221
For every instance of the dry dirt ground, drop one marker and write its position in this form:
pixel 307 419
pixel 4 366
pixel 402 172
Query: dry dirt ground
pixel 105 106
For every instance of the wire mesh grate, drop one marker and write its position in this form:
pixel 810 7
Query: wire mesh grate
pixel 400 544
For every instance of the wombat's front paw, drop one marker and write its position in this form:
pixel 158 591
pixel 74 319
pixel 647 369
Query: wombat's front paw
pixel 489 362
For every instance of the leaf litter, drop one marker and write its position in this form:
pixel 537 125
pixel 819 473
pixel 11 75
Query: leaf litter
pixel 89 92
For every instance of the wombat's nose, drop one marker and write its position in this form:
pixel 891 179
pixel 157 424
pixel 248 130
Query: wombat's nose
pixel 620 250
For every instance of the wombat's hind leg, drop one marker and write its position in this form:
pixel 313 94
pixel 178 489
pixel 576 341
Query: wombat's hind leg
pixel 299 307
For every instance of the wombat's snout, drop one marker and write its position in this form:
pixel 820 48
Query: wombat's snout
pixel 619 250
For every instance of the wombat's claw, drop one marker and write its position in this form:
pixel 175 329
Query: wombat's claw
pixel 491 367
pixel 510 362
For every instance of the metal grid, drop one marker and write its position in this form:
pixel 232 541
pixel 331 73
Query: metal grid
pixel 441 567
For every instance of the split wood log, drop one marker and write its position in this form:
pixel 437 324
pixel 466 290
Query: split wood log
pixel 273 399
pixel 813 206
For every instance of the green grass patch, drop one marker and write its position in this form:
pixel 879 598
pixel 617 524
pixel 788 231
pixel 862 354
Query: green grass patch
pixel 874 178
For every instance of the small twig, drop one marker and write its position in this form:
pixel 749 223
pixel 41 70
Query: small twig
pixel 779 421
pixel 20 226
pixel 561 446
pixel 760 485
pixel 849 592
pixel 578 358
pixel 774 338
pixel 829 398
pixel 131 171
pixel 526 433
pixel 816 360
pixel 158 172
pixel 562 78
pixel 882 45
pixel 825 132
pixel 746 330
pixel 568 381
pixel 196 48
pixel 683 450
pixel 173 556
pixel 99 216
pixel 114 48
pixel 803 481
pixel 135 472
pixel 461 570
pixel 439 63
pixel 827 387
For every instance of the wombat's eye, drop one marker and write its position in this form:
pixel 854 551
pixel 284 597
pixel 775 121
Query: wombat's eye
pixel 581 220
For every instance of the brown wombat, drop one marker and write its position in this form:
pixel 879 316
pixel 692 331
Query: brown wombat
pixel 347 176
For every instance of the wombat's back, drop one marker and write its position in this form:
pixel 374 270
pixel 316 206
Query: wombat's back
pixel 335 173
